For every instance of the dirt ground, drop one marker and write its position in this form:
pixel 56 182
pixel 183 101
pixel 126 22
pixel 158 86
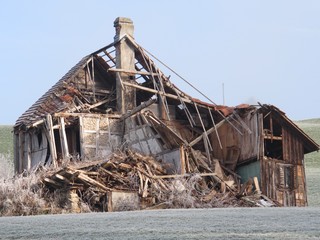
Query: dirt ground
pixel 226 223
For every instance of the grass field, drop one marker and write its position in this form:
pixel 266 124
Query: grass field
pixel 6 151
pixel 312 160
pixel 6 142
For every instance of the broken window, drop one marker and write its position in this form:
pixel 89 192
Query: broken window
pixel 272 132
pixel 285 176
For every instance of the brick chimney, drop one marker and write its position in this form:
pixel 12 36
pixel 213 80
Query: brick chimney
pixel 126 96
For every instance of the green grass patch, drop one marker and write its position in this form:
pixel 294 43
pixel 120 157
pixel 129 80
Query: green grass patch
pixel 6 139
pixel 312 161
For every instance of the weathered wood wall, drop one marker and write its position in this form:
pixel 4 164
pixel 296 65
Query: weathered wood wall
pixel 293 153
pixel 237 148
pixel 284 179
pixel 31 149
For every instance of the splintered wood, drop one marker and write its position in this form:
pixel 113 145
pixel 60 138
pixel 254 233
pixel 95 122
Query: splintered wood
pixel 132 172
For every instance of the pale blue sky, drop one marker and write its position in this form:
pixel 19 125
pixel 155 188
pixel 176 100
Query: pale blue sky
pixel 266 51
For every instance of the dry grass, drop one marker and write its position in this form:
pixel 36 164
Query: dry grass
pixel 191 192
pixel 26 195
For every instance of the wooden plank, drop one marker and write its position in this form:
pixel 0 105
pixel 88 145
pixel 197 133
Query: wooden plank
pixel 183 175
pixel 269 136
pixel 28 151
pixel 145 188
pixel 182 160
pixel 216 130
pixel 62 178
pixel 36 151
pixel 51 140
pixel 63 139
pixel 81 136
pixel 209 131
pixel 204 129
pixel 256 185
pixel 52 182
pixel 97 136
pixel 132 72
pixel 110 208
pixel 138 109
pixel 36 123
pixel 156 91
pixel 93 182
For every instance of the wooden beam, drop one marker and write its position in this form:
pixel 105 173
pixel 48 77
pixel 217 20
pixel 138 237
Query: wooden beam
pixel 183 175
pixel 164 94
pixel 214 124
pixel 156 92
pixel 28 151
pixel 132 72
pixel 204 132
pixel 271 137
pixel 95 115
pixel 209 131
pixel 62 178
pixel 36 123
pixel 63 139
pixel 81 136
pixel 52 182
pixel 52 143
pixel 93 182
pixel 138 109
pixel 256 185
pixel 88 106
pixel 182 160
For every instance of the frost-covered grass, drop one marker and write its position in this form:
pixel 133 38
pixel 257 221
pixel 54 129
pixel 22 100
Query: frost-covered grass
pixel 26 195
pixel 214 223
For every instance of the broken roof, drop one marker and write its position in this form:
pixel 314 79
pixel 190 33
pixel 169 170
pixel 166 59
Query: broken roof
pixel 309 144
pixel 149 80
pixel 58 97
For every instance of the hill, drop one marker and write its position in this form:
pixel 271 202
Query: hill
pixel 312 161
pixel 6 140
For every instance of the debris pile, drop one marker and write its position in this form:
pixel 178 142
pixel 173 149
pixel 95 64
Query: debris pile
pixel 141 182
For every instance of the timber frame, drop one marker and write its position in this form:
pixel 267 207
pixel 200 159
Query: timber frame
pixel 117 98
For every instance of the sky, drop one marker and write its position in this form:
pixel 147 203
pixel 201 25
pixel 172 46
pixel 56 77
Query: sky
pixel 233 51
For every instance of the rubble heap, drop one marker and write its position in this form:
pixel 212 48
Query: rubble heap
pixel 131 181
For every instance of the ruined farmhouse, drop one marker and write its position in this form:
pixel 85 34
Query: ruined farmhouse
pixel 117 99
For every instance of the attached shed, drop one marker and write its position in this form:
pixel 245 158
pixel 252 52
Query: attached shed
pixel 272 148
pixel 117 98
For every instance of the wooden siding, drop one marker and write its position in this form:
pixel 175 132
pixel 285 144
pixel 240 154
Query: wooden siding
pixel 237 148
pixel 284 179
pixel 292 148
pixel 293 153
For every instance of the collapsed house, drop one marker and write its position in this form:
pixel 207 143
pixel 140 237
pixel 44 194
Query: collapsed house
pixel 116 98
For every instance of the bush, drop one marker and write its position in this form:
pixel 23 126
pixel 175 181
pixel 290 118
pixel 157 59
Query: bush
pixel 27 195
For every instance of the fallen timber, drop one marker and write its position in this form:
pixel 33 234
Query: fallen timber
pixel 143 183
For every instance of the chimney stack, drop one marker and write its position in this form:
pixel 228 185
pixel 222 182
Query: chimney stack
pixel 125 60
